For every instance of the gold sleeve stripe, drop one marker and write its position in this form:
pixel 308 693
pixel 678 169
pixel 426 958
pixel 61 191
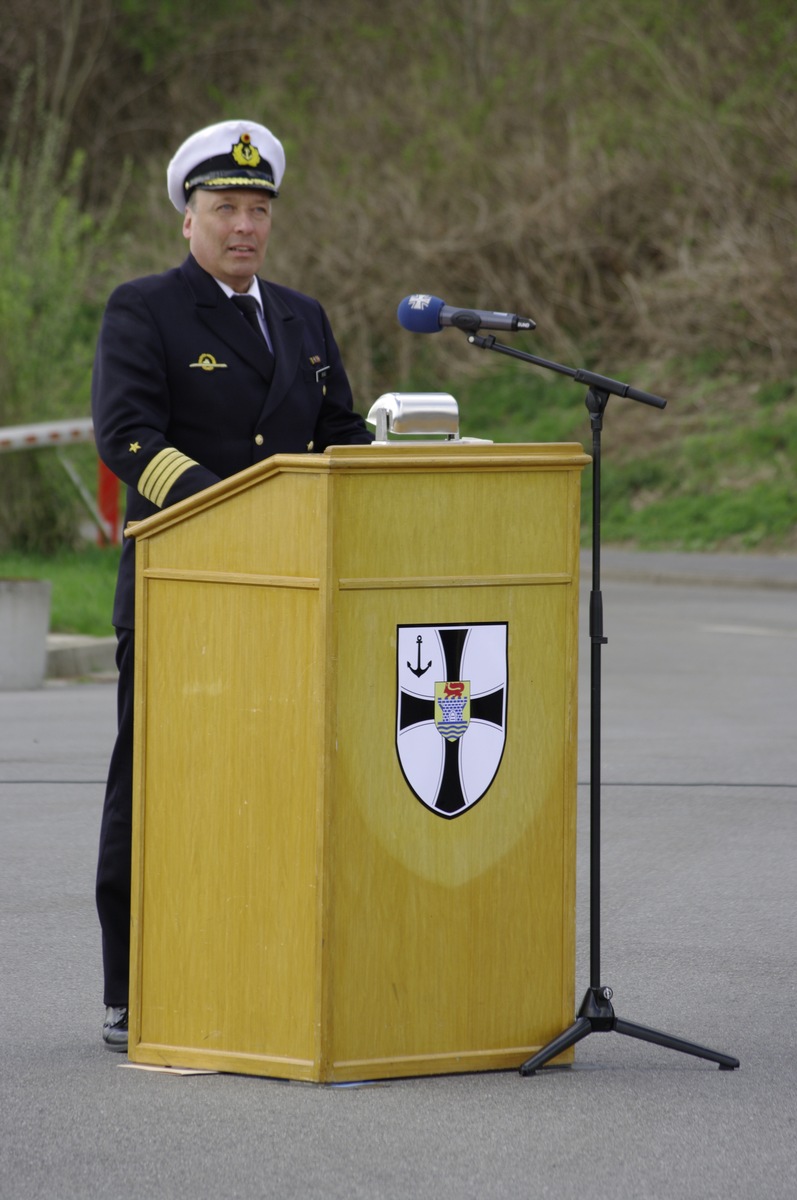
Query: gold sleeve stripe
pixel 162 473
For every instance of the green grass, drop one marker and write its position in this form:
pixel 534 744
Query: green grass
pixel 82 586
pixel 761 516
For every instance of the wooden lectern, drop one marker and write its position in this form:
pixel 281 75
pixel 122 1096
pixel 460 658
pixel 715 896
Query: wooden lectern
pixel 347 866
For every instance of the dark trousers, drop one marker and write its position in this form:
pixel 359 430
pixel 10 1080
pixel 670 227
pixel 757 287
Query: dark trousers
pixel 113 868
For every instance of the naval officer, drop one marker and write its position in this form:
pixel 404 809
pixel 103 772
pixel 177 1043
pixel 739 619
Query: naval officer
pixel 199 373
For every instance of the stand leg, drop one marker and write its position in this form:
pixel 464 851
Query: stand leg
pixel 630 1029
pixel 596 1015
pixel 578 1030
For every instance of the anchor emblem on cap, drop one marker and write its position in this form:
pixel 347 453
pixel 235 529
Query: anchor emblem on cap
pixel 244 153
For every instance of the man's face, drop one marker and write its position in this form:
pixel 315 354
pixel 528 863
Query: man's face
pixel 228 232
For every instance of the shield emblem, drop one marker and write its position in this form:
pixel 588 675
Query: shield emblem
pixel 452 683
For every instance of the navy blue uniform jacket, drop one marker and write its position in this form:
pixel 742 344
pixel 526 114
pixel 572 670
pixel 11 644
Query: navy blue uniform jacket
pixel 181 395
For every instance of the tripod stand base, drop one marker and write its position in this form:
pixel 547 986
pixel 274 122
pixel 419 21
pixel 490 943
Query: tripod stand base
pixel 596 1015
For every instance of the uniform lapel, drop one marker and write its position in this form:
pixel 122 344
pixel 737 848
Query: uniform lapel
pixel 287 335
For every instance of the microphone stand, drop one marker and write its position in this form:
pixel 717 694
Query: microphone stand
pixel 596 1014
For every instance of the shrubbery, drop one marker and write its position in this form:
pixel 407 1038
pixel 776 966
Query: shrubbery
pixel 51 251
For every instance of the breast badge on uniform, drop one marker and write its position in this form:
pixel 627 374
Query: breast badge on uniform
pixel 452 683
pixel 321 372
pixel 206 362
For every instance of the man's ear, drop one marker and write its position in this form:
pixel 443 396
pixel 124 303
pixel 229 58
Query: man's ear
pixel 187 223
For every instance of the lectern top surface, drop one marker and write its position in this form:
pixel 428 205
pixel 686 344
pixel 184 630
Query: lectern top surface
pixel 438 457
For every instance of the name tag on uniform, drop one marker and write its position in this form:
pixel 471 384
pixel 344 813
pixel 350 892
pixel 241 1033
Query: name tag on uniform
pixel 321 373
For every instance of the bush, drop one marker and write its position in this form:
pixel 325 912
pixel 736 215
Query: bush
pixel 50 250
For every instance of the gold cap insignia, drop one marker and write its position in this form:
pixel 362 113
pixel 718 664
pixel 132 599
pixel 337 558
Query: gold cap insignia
pixel 244 153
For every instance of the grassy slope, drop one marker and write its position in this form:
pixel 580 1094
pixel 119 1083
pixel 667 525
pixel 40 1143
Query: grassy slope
pixel 715 470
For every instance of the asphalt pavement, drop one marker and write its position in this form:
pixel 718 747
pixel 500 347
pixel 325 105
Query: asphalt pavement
pixel 698 938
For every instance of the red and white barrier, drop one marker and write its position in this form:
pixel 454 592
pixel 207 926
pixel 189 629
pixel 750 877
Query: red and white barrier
pixel 53 433
pixel 69 433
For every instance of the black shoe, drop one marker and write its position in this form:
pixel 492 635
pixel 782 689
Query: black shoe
pixel 114 1030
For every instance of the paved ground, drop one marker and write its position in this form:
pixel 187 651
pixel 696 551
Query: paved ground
pixel 699 939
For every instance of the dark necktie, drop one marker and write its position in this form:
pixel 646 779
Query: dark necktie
pixel 248 308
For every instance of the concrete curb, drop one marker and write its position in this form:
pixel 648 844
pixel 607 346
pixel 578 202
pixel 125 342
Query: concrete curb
pixel 710 570
pixel 72 656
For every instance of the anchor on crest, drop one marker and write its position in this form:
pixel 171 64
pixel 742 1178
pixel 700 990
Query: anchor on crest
pixel 419 670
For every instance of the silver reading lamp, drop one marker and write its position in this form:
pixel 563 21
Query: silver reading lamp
pixel 419 414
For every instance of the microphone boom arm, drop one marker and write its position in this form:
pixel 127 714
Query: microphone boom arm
pixel 611 386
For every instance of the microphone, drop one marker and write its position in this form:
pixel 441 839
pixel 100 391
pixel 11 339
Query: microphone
pixel 428 314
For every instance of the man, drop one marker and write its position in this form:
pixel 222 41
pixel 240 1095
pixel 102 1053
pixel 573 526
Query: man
pixel 189 388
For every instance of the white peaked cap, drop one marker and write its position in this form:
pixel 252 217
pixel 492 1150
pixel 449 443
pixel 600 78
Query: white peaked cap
pixel 231 154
